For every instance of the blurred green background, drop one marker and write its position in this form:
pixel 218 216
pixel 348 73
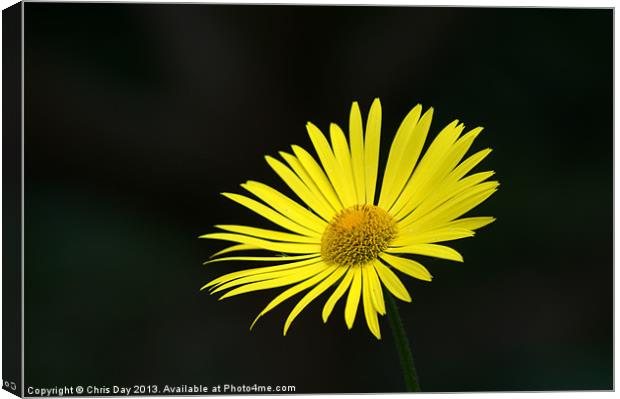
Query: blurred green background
pixel 138 115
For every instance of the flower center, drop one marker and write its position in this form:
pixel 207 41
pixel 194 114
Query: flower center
pixel 357 235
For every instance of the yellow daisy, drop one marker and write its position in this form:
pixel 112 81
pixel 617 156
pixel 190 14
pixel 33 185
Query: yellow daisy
pixel 345 237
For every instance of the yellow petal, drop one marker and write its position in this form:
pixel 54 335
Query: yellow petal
pixel 337 294
pixel 474 199
pixel 301 184
pixel 294 291
pixel 318 176
pixel 270 214
pixel 278 282
pixel 429 237
pixel 445 192
pixel 454 183
pixel 443 164
pixel 258 270
pixel 343 158
pixel 472 223
pixel 404 153
pixel 356 137
pixel 457 206
pixel 353 298
pixel 233 248
pixel 470 163
pixel 453 156
pixel 332 168
pixel 391 281
pixel 280 258
pixel 313 294
pixel 372 141
pixel 407 266
pixel 268 234
pixel 434 250
pixel 271 276
pixel 369 308
pixel 286 206
pixel 456 175
pixel 376 290
pixel 418 185
pixel 265 244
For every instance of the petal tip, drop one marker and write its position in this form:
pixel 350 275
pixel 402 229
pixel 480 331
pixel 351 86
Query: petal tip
pixel 255 320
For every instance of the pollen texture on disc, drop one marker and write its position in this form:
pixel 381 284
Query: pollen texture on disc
pixel 357 235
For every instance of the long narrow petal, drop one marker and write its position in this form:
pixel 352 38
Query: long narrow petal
pixel 369 308
pixel 313 294
pixel 298 271
pixel 286 206
pixel 391 281
pixel 318 176
pixel 234 248
pixel 417 186
pixel 457 206
pixel 268 234
pixel 376 289
pixel 445 192
pixel 439 173
pixel 372 141
pixel 470 201
pixel 356 137
pixel 404 153
pixel 407 266
pixel 353 298
pixel 330 165
pixel 258 270
pixel 470 163
pixel 294 291
pixel 302 185
pixel 472 223
pixel 270 214
pixel 337 294
pixel 278 282
pixel 343 158
pixel 434 250
pixel 280 258
pixel 452 157
pixel 459 149
pixel 285 247
pixel 429 237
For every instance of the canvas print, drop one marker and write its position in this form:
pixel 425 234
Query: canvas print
pixel 212 199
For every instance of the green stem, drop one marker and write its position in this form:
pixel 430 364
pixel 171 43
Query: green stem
pixel 402 345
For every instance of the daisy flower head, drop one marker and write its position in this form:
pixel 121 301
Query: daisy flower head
pixel 352 237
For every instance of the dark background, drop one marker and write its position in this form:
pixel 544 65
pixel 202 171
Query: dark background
pixel 137 116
